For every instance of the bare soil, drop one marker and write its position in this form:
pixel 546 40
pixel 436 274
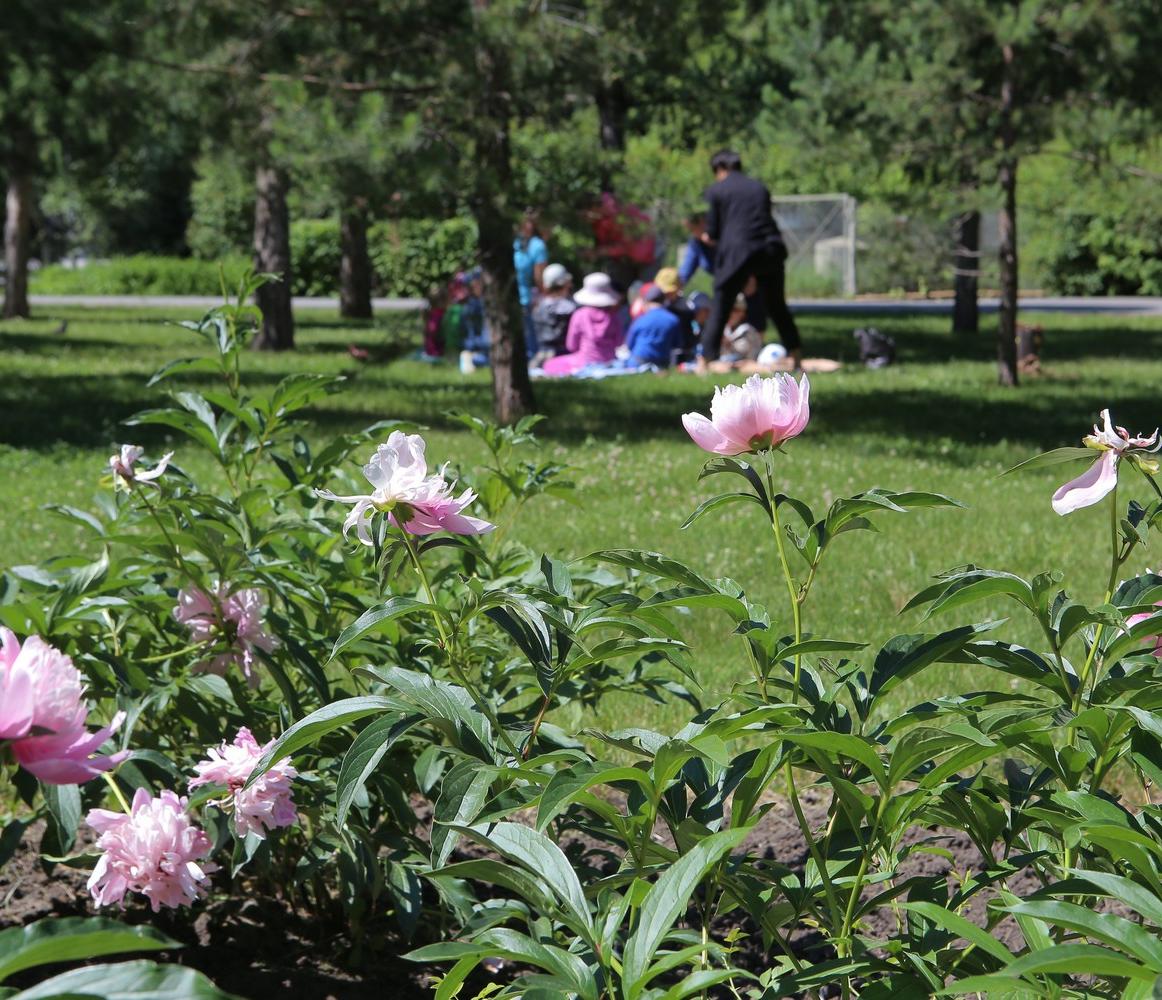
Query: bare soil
pixel 258 947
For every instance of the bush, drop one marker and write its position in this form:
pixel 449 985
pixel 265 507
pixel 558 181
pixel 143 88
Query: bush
pixel 399 709
pixel 315 256
pixel 141 274
pixel 222 204
pixel 410 256
pixel 1108 252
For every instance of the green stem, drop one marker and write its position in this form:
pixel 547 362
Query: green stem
pixel 112 783
pixel 1116 559
pixel 446 644
pixel 812 847
pixel 792 591
pixel 536 727
pixel 857 887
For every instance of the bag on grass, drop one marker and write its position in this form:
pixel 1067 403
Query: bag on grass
pixel 876 350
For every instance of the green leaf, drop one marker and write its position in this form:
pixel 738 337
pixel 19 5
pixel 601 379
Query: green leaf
pixel 374 617
pixel 544 858
pixel 141 980
pixel 1107 927
pixel 363 756
pixel 462 795
pixel 844 744
pixel 1057 456
pixel 655 564
pixel 316 725
pixel 902 656
pixel 64 808
pixel 1072 959
pixel 448 706
pixel 954 923
pixel 722 500
pixel 570 782
pixel 728 465
pixel 668 900
pixel 72 939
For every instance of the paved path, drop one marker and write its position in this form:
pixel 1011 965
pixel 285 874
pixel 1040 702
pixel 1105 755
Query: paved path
pixel 1129 305
pixel 1126 305
pixel 202 302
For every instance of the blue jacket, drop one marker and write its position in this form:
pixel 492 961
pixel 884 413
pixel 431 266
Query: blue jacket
pixel 654 336
pixel 697 255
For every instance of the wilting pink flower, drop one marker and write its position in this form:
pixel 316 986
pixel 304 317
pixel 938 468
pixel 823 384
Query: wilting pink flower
pixel 1134 619
pixel 231 618
pixel 265 805
pixel 1101 477
pixel 43 714
pixel 154 850
pixel 760 413
pixel 122 465
pixel 404 491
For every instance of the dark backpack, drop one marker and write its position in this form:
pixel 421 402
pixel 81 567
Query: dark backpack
pixel 876 350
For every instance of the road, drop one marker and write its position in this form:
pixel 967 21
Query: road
pixel 1124 305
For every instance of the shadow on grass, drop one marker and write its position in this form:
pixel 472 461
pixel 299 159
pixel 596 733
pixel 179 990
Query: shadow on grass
pixel 936 393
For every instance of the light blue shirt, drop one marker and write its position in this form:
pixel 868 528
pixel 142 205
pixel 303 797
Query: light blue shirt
pixel 525 258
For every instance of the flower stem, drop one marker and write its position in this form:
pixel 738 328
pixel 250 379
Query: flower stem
pixel 446 644
pixel 1117 557
pixel 792 591
pixel 112 783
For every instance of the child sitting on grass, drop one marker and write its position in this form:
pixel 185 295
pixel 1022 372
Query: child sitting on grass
pixel 656 335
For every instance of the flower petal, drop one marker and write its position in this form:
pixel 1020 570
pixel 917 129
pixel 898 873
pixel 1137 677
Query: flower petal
pixel 1090 487
pixel 707 436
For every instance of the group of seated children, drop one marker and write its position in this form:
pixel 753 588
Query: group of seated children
pixel 454 323
pixel 592 332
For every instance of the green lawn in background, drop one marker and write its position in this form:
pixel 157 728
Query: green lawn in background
pixel 931 422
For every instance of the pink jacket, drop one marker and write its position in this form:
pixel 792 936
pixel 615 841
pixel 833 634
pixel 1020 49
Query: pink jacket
pixel 593 338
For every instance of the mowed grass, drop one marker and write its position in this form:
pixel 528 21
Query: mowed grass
pixel 937 421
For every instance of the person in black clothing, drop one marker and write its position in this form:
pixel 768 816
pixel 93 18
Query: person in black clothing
pixel 747 243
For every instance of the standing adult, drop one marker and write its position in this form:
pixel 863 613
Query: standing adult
pixel 530 254
pixel 697 253
pixel 747 243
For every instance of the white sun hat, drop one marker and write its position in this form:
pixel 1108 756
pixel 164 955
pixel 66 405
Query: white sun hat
pixel 555 275
pixel 597 290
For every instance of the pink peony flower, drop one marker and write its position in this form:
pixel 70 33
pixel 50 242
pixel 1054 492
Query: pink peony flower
pixel 265 805
pixel 760 413
pixel 1101 477
pixel 1134 619
pixel 154 850
pixel 407 494
pixel 234 618
pixel 122 465
pixel 17 701
pixel 43 714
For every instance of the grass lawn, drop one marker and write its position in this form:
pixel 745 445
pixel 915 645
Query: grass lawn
pixel 937 421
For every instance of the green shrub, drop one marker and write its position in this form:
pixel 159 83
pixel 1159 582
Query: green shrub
pixel 222 207
pixel 315 256
pixel 410 256
pixel 1108 253
pixel 141 274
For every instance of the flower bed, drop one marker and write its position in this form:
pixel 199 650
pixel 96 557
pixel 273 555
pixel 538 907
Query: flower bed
pixel 368 734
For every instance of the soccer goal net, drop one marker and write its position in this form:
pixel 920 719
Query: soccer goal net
pixel 819 231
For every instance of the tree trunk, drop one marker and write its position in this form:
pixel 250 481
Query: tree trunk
pixel 16 225
pixel 512 391
pixel 966 273
pixel 355 265
pixel 272 254
pixel 1007 229
pixel 612 106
